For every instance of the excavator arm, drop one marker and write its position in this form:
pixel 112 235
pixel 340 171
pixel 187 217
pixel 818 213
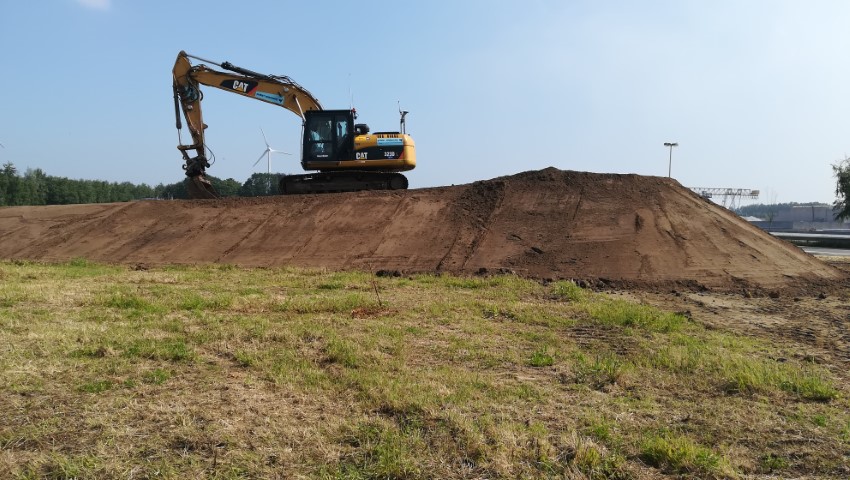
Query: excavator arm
pixel 276 90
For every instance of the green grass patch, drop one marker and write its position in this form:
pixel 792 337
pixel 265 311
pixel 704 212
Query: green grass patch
pixel 621 313
pixel 172 349
pixel 599 370
pixel 65 467
pixel 198 302
pixel 541 358
pixel 737 365
pixel 680 454
pixel 156 376
pixel 83 268
pixel 96 386
pixel 343 352
pixel 748 375
pixel 570 291
pixel 384 451
pixel 225 372
pixel 771 463
pixel 126 301
pixel 335 303
pixel 244 358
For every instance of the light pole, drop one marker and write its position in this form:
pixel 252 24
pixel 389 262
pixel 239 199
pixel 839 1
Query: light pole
pixel 670 163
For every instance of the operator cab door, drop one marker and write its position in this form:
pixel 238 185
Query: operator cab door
pixel 328 137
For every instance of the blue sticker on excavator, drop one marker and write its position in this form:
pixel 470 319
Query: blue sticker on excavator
pixel 390 142
pixel 269 97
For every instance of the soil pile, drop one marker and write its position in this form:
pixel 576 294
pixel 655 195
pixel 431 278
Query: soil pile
pixel 547 224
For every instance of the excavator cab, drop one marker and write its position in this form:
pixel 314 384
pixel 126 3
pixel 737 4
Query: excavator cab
pixel 328 138
pixel 333 143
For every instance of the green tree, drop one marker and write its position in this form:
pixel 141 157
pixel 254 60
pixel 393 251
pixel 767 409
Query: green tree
pixel 225 188
pixel 61 191
pixel 10 184
pixel 34 184
pixel 172 191
pixel 4 189
pixel 260 184
pixel 842 189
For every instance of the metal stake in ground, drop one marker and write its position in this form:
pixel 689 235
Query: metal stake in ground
pixel 670 162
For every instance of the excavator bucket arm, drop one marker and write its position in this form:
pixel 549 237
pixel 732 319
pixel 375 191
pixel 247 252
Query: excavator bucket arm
pixel 276 90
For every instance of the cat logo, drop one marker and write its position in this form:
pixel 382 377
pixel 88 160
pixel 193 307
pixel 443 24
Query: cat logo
pixel 244 87
pixel 240 86
pixel 361 155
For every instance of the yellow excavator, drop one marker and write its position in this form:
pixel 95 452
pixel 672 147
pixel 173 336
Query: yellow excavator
pixel 340 154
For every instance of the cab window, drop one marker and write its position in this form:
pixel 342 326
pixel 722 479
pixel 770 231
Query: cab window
pixel 321 133
pixel 341 131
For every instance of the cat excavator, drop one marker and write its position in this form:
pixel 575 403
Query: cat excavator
pixel 340 154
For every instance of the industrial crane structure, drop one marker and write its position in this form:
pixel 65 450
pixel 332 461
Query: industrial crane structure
pixel 729 197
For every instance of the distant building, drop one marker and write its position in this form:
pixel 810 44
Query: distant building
pixel 807 213
pixel 802 218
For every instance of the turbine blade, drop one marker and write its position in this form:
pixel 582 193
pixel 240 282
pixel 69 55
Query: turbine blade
pixel 264 136
pixel 261 157
pixel 280 151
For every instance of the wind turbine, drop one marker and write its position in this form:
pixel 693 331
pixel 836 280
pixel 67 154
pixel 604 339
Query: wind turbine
pixel 268 153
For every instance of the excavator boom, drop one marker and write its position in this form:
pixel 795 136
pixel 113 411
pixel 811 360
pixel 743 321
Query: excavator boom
pixel 277 90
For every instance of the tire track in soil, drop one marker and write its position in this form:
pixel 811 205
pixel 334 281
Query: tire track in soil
pixel 472 213
pixel 68 229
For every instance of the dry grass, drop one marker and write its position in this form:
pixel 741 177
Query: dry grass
pixel 220 372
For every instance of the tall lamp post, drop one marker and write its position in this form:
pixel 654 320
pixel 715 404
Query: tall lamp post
pixel 670 162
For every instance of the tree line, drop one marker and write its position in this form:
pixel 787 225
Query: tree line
pixel 769 210
pixel 35 187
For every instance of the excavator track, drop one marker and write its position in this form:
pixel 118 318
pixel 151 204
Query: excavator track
pixel 349 181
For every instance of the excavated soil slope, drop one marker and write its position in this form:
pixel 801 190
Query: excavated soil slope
pixel 546 224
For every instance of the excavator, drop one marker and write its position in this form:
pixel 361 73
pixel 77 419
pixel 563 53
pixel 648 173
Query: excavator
pixel 340 155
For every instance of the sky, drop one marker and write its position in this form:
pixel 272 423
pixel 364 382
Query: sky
pixel 754 92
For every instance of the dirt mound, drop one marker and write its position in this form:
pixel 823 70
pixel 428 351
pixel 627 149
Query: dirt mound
pixel 545 224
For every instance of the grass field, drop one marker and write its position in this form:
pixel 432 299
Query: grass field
pixel 222 372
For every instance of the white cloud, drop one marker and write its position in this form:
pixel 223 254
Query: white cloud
pixel 96 4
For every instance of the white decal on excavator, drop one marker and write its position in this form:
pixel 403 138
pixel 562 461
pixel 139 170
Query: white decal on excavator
pixel 361 155
pixel 241 86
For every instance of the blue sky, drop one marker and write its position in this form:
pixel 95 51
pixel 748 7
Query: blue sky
pixel 755 92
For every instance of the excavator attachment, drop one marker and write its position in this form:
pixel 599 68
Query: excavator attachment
pixel 199 187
